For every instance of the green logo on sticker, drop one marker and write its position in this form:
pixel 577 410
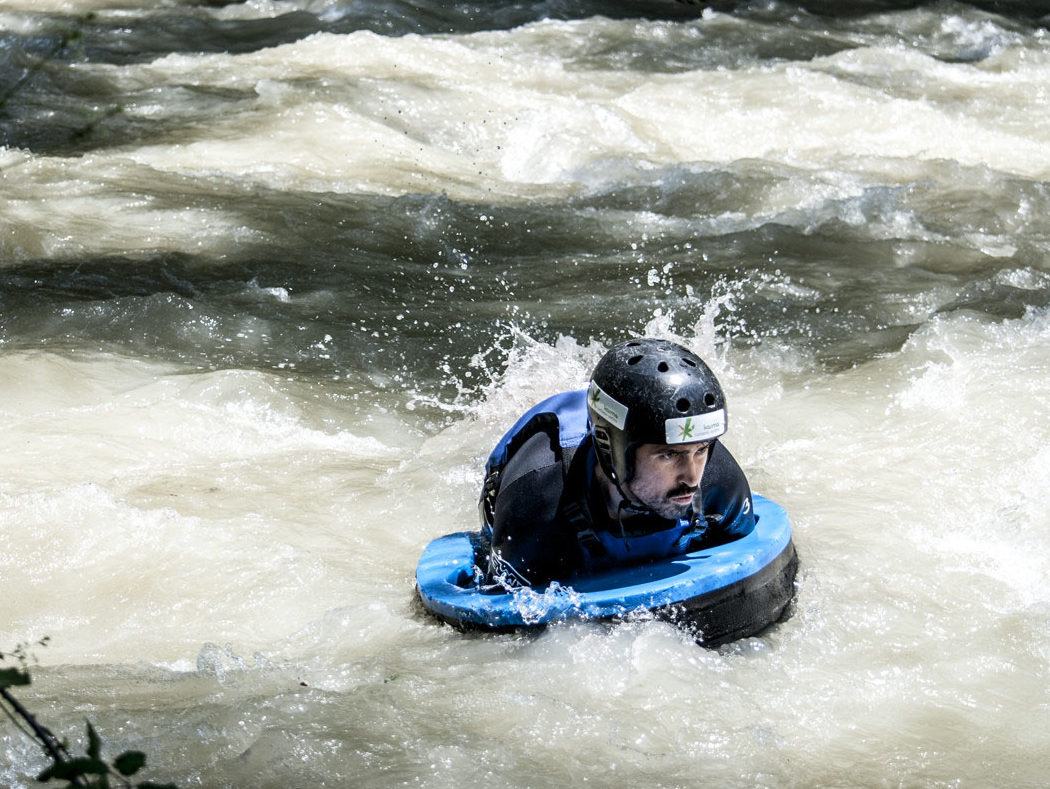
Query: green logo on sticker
pixel 687 428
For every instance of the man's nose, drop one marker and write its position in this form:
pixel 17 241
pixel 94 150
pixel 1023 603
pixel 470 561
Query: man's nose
pixel 690 469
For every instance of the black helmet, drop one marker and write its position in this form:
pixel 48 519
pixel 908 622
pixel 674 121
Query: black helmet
pixel 651 392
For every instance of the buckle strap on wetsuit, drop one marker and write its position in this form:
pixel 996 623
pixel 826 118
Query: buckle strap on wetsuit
pixel 577 519
pixel 574 511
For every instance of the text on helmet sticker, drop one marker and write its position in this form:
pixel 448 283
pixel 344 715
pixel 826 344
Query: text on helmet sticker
pixel 702 427
pixel 606 407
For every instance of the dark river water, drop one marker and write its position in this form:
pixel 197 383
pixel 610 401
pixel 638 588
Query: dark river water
pixel 275 275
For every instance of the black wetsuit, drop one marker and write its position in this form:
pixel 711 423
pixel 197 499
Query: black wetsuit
pixel 548 516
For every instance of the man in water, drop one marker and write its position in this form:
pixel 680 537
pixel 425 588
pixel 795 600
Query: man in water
pixel 627 471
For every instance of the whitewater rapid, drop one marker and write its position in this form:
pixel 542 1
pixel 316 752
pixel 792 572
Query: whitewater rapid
pixel 275 276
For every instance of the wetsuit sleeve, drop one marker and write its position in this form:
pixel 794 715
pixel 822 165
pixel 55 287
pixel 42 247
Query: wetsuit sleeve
pixel 530 546
pixel 726 496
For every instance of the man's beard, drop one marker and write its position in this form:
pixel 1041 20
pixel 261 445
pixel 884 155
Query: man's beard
pixel 666 508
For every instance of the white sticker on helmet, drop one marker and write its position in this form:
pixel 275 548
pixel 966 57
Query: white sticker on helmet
pixel 689 429
pixel 606 407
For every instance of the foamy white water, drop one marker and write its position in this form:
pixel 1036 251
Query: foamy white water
pixel 264 309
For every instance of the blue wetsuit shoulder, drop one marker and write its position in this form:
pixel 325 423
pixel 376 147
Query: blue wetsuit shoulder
pixel 725 497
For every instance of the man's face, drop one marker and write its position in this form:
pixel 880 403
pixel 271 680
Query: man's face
pixel 667 475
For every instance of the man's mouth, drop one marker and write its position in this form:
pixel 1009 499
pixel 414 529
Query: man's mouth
pixel 682 493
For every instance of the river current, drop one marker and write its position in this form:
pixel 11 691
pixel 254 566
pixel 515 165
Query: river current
pixel 275 275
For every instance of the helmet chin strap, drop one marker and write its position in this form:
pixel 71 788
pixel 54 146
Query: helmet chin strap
pixel 619 519
pixel 626 504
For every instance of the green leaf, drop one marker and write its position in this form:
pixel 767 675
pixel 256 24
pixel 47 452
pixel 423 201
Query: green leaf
pixel 10 677
pixel 130 762
pixel 94 743
pixel 75 768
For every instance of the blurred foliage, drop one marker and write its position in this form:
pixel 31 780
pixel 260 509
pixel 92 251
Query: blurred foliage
pixel 90 771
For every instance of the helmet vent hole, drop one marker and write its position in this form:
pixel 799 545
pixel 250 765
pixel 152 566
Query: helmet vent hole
pixel 710 399
pixel 662 367
pixel 689 362
pixel 634 360
pixel 682 405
